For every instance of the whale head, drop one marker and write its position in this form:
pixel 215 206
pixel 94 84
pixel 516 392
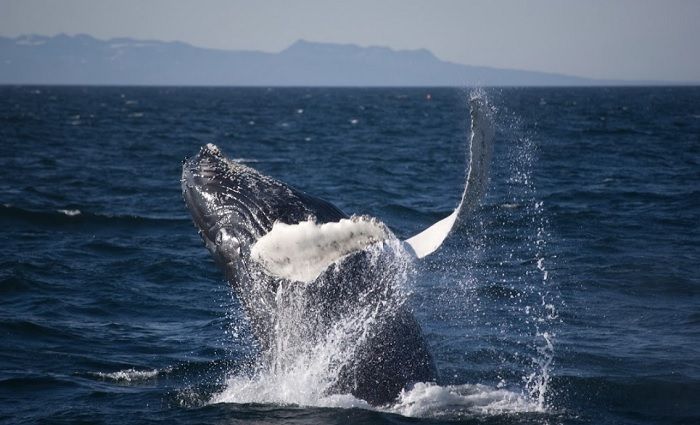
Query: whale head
pixel 214 190
pixel 233 205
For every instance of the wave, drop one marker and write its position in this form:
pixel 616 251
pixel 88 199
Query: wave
pixel 128 375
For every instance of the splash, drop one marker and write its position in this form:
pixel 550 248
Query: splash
pixel 541 315
pixel 512 240
pixel 309 354
pixel 494 287
pixel 454 401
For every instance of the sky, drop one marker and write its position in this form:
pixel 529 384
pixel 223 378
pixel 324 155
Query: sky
pixel 608 39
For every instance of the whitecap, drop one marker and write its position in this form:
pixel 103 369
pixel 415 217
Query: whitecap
pixel 70 213
pixel 128 375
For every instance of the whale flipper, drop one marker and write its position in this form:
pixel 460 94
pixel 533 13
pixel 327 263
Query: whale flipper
pixel 302 251
pixel 481 148
pixel 276 249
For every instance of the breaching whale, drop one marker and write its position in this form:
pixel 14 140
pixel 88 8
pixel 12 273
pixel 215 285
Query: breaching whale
pixel 269 237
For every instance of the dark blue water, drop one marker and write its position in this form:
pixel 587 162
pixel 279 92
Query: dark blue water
pixel 571 295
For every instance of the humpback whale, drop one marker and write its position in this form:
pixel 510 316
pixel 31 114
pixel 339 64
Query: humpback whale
pixel 283 249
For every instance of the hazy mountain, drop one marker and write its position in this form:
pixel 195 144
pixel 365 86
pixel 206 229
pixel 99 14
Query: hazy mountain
pixel 82 59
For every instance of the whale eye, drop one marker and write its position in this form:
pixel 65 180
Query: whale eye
pixel 226 242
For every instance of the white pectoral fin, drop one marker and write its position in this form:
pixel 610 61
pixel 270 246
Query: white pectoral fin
pixel 481 149
pixel 430 239
pixel 301 252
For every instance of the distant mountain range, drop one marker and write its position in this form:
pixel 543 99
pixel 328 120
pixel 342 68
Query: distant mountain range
pixel 82 59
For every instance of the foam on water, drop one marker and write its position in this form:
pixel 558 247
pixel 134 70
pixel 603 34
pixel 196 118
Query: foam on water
pixel 450 401
pixel 424 399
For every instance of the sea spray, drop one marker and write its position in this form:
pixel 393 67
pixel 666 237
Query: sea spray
pixel 495 293
pixel 311 347
pixel 541 311
pixel 307 356
pixel 533 311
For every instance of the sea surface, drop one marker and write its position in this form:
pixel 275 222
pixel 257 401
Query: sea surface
pixel 571 295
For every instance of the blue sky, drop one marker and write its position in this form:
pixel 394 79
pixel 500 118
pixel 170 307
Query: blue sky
pixel 614 39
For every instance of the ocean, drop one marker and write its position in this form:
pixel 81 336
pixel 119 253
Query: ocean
pixel 570 295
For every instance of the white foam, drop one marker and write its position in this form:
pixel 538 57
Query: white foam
pixel 432 400
pixel 285 391
pixel 423 400
pixel 244 160
pixel 301 252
